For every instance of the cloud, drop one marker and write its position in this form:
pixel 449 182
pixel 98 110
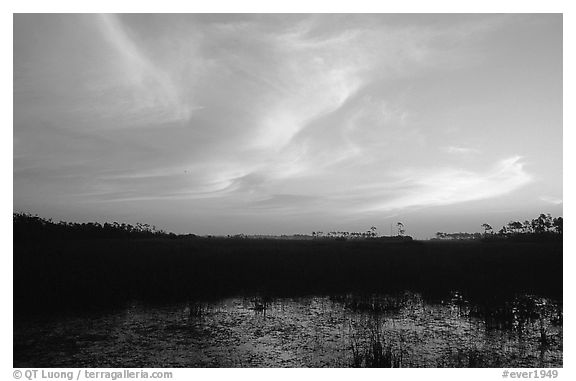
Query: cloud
pixel 428 187
pixel 310 114
pixel 153 93
pixel 461 150
pixel 551 200
pixel 273 98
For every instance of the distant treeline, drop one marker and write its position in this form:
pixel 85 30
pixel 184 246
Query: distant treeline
pixel 33 227
pixel 543 227
pixel 368 234
pixel 28 227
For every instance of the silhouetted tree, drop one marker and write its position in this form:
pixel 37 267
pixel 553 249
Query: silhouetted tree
pixel 542 224
pixel 373 231
pixel 558 224
pixel 515 227
pixel 487 228
pixel 401 229
pixel 527 227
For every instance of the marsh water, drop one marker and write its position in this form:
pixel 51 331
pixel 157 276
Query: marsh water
pixel 343 331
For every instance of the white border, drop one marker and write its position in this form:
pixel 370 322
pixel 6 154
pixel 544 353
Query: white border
pixel 301 6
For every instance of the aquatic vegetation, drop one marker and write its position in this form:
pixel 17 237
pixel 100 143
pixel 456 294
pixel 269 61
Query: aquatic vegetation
pixel 369 346
pixel 371 303
pixel 293 332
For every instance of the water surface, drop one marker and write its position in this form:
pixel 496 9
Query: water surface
pixel 384 331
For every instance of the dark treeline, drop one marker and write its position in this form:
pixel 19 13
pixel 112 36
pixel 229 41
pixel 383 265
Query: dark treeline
pixel 541 228
pixel 30 227
pixel 59 275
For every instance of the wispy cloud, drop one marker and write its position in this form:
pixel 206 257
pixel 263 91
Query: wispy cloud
pixel 313 116
pixel 430 187
pixel 154 92
pixel 461 150
pixel 551 200
pixel 261 114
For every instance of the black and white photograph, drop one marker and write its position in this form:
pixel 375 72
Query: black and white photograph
pixel 288 190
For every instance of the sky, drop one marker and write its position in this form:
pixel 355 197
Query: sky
pixel 289 123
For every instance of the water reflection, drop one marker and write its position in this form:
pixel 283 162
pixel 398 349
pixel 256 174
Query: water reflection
pixel 339 331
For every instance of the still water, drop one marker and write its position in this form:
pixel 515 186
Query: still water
pixel 382 331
